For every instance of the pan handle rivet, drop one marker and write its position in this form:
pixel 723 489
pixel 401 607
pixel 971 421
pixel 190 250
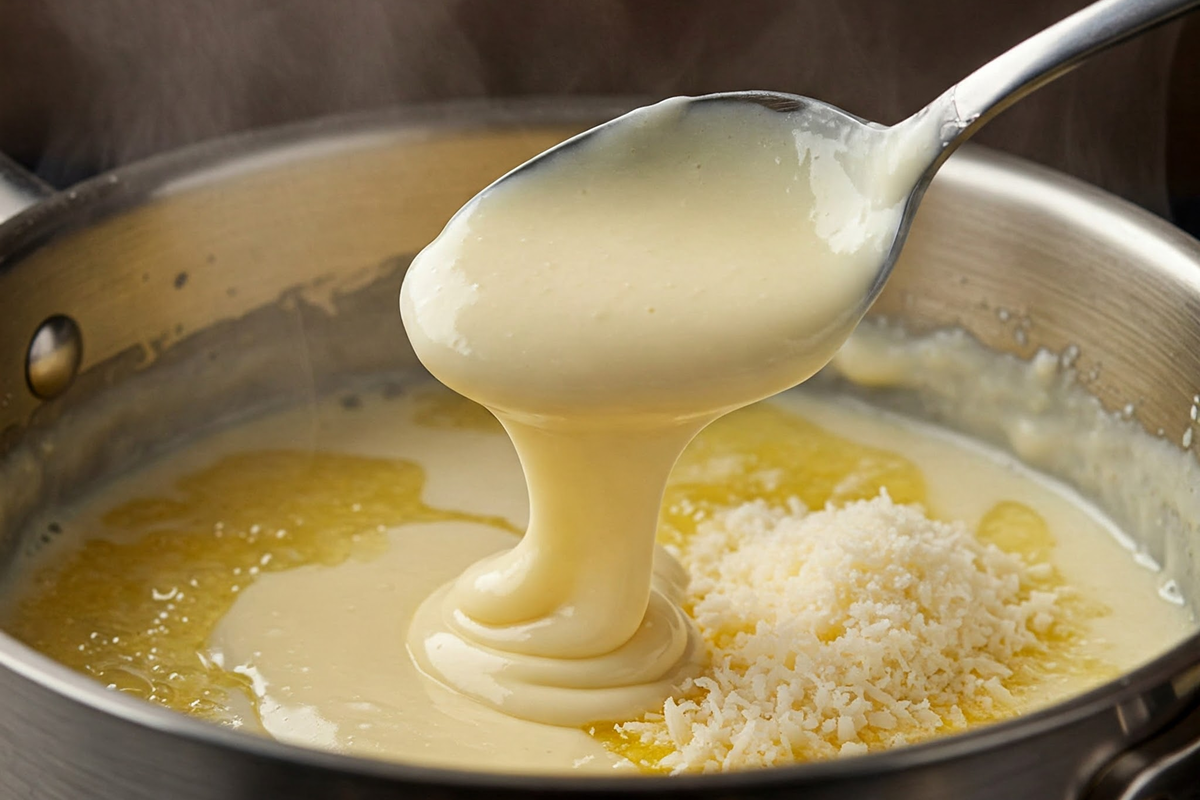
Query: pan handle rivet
pixel 54 355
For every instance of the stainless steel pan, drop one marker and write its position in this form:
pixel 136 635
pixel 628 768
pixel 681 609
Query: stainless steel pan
pixel 162 299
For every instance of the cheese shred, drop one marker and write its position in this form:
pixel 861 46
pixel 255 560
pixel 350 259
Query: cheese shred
pixel 841 631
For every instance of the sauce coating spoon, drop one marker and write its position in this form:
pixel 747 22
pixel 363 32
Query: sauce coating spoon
pixel 610 298
pixel 910 152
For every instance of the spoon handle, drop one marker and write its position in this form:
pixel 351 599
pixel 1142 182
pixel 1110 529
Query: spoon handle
pixel 1049 54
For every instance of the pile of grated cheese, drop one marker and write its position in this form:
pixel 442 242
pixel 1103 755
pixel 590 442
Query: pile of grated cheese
pixel 841 631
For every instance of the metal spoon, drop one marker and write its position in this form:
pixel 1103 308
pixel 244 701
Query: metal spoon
pixel 926 139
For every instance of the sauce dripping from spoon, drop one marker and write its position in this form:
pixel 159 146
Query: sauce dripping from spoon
pixel 605 307
pixel 613 296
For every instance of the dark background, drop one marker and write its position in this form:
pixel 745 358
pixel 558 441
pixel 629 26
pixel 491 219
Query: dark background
pixel 90 84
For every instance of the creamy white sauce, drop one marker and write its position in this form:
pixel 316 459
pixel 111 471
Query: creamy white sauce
pixel 325 645
pixel 606 305
pixel 965 479
pixel 325 649
pixel 1038 411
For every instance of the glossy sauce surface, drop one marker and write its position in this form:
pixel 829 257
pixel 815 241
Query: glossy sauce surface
pixel 302 636
pixel 606 305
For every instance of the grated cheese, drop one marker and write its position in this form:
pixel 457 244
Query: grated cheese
pixel 841 631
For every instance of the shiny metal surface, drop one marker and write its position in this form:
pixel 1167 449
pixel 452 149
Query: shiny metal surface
pixel 18 189
pixel 1165 768
pixel 291 247
pixel 951 118
pixel 54 355
pixel 1052 53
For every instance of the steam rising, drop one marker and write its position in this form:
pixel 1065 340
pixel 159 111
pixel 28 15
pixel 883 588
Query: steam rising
pixel 88 85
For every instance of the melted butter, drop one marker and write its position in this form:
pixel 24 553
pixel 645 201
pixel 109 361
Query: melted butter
pixel 1068 662
pixel 310 649
pixel 607 305
pixel 134 607
pixel 1023 512
pixel 766 452
pixel 1017 528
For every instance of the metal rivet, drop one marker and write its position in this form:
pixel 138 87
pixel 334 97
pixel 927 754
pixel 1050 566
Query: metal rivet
pixel 55 352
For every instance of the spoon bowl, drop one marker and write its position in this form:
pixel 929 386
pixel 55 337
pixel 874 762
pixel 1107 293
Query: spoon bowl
pixel 910 152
